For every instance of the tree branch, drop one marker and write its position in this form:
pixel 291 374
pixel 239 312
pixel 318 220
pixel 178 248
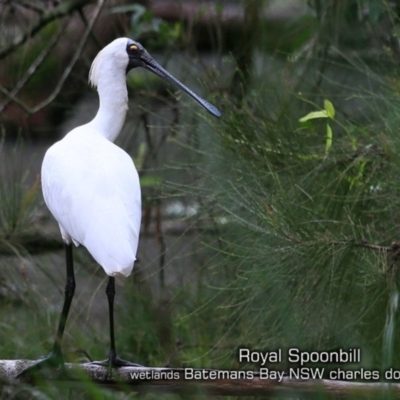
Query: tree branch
pixel 180 380
pixel 63 9
pixel 11 96
pixel 77 54
pixel 67 70
pixel 31 6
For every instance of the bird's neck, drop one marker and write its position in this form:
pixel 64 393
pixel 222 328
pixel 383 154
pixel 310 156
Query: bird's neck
pixel 113 97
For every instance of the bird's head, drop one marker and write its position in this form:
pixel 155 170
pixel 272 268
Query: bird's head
pixel 124 54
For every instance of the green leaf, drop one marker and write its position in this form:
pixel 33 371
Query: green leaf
pixel 150 181
pixel 314 115
pixel 176 32
pixel 139 159
pixel 329 135
pixel 330 110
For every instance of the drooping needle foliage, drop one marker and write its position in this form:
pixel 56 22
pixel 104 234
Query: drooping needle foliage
pixel 305 191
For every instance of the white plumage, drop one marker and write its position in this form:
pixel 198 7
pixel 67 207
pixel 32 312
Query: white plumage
pixel 92 189
pixel 90 185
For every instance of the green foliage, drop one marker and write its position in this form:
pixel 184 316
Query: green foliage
pixel 145 26
pixel 24 57
pixel 310 221
pixel 18 201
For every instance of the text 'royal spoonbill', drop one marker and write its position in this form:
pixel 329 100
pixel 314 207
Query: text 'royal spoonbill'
pixel 92 188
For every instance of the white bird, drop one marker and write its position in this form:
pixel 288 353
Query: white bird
pixel 92 188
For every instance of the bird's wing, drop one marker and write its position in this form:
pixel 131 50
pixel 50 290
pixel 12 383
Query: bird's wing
pixel 93 192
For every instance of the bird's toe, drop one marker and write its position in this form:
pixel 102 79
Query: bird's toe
pixel 52 361
pixel 113 361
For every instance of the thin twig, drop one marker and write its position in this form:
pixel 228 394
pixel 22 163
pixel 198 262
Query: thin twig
pixel 32 69
pixel 154 149
pixel 77 54
pixel 92 35
pixel 67 70
pixel 161 241
pixel 14 99
pixel 63 9
pixel 32 6
pixel 367 245
pixel 147 130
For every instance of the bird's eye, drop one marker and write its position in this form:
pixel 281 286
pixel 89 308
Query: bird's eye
pixel 133 48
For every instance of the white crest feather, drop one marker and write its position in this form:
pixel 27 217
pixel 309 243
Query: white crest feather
pixel 94 71
pixel 112 57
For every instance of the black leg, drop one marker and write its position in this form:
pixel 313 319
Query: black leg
pixel 55 358
pixel 113 360
pixel 68 296
pixel 110 291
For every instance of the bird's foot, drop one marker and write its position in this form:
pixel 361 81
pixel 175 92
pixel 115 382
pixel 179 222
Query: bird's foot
pixel 54 360
pixel 113 361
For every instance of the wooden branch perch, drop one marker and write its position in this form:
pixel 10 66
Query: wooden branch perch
pixel 180 380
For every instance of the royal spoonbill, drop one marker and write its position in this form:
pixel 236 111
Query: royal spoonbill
pixel 92 188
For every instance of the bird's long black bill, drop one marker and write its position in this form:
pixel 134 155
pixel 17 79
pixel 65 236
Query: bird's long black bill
pixel 152 65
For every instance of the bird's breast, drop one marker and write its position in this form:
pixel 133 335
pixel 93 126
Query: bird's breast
pixel 92 188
